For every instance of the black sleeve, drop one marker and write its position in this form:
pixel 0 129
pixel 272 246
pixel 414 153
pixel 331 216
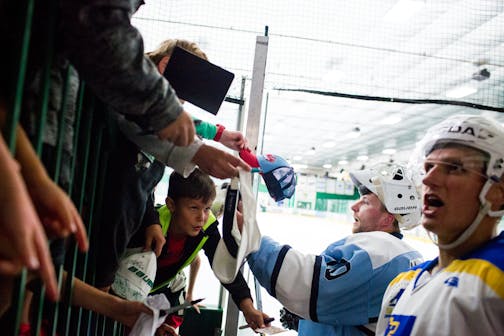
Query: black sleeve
pixel 238 289
pixel 151 215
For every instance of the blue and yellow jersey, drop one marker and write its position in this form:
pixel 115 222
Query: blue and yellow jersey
pixel 465 298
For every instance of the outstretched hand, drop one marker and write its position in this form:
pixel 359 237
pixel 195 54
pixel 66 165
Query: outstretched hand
pixel 218 163
pixel 189 297
pixel 233 140
pixel 23 242
pixel 57 212
pixel 255 318
pixel 154 239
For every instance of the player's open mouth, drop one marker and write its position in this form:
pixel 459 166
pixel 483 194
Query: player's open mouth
pixel 431 203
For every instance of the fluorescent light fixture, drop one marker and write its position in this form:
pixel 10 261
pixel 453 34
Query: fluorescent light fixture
pixel 329 144
pixel 362 157
pixel 461 91
pixel 299 166
pixel 342 162
pixel 327 166
pixel 311 151
pixel 403 10
pixel 392 120
pixel 389 151
pixel 297 157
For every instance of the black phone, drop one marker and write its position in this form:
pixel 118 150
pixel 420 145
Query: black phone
pixel 198 81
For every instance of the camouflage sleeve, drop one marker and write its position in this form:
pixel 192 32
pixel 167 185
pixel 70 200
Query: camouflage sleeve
pixel 179 158
pixel 108 53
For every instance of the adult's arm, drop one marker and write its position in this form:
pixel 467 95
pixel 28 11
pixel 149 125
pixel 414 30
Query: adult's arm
pixel 210 160
pixel 179 158
pixel 108 53
pixel 331 288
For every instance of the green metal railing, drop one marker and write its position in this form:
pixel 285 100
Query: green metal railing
pixel 87 167
pixel 85 183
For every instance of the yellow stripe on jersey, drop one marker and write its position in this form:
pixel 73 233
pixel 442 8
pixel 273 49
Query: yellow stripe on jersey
pixel 491 275
pixel 405 276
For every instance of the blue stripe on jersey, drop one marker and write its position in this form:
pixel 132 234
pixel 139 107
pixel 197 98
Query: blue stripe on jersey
pixel 315 288
pixel 278 266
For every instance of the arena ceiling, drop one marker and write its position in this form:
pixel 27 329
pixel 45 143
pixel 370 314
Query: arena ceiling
pixel 347 80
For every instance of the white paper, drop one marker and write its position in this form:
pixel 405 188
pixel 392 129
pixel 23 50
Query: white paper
pixel 225 266
pixel 270 330
pixel 146 325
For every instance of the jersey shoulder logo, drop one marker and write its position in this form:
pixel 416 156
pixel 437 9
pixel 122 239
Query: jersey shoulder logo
pixel 452 281
pixel 337 268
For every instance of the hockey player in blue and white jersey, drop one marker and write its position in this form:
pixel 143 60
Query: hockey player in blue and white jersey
pixel 339 291
pixel 461 292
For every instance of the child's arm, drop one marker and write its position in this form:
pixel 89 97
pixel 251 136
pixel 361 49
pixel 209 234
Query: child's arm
pixel 193 273
pixel 205 129
pixel 231 139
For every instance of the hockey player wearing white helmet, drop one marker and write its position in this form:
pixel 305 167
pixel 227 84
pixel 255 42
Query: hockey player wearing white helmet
pixel 461 292
pixel 339 291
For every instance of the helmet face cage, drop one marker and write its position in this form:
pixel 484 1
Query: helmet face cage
pixel 473 131
pixel 394 189
pixel 278 176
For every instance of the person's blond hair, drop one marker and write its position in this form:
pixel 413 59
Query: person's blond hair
pixel 166 49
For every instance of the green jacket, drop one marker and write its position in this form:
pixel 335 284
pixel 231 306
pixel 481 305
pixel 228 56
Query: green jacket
pixel 207 239
pixel 165 220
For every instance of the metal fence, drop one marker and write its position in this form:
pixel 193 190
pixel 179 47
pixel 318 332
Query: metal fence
pixel 77 165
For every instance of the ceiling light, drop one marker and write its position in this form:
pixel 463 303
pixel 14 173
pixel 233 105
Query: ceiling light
pixel 461 91
pixel 297 157
pixel 299 166
pixel 343 162
pixel 362 157
pixel 329 144
pixel 327 166
pixel 389 151
pixel 403 10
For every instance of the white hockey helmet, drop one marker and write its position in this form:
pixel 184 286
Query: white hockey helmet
pixel 474 131
pixel 394 189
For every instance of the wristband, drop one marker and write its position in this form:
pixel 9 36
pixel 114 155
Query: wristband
pixel 220 130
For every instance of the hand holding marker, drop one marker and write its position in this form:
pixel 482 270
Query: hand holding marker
pixel 266 321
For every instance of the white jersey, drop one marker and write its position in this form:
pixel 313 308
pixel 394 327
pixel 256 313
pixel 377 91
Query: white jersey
pixel 465 298
pixel 338 292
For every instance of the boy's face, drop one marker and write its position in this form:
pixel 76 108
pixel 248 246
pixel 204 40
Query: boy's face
pixel 188 215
